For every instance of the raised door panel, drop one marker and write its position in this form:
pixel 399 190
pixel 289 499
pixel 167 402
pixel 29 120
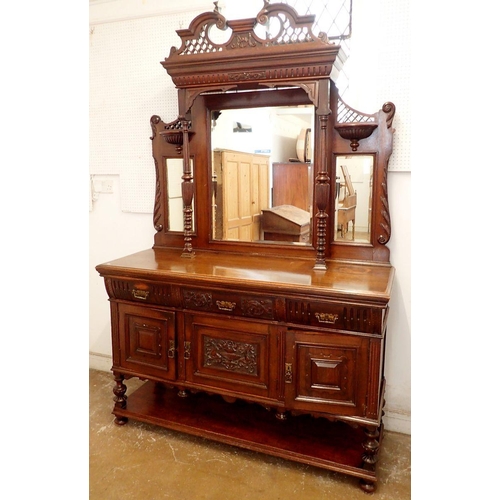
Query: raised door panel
pixel 242 191
pixel 260 193
pixel 147 341
pixel 327 373
pixel 230 355
pixel 237 205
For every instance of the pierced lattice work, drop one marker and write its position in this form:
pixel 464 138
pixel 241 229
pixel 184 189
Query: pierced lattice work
pixel 202 44
pixel 274 25
pixel 346 114
pixel 285 32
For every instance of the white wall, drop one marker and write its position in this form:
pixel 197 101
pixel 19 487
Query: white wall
pixel 114 233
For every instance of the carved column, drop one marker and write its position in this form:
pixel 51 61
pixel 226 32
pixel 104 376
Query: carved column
pixel 187 191
pixel 322 179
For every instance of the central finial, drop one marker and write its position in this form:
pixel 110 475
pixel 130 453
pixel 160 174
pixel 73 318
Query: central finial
pixel 217 9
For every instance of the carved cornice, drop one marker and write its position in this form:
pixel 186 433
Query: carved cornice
pixel 291 52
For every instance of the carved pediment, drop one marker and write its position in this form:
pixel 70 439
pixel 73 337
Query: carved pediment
pixel 277 45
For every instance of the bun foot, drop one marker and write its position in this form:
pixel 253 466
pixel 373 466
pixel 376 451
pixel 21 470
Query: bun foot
pixel 367 486
pixel 121 420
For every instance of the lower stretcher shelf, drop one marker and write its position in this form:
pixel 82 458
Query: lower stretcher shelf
pixel 335 446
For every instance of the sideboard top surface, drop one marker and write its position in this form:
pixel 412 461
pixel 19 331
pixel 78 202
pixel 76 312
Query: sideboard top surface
pixel 341 280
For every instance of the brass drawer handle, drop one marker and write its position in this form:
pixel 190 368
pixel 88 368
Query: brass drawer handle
pixel 224 305
pixel 140 294
pixel 327 318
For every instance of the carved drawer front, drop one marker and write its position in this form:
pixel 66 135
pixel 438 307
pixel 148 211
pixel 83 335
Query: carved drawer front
pixel 327 372
pixel 141 292
pixel 147 341
pixel 233 355
pixel 229 303
pixel 337 316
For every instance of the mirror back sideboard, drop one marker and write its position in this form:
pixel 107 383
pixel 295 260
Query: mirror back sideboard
pixel 270 338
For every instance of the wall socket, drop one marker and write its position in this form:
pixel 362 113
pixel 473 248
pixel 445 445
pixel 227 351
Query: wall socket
pixel 102 185
pixel 107 186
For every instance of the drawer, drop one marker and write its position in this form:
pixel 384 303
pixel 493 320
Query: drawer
pixel 229 303
pixel 141 292
pixel 338 316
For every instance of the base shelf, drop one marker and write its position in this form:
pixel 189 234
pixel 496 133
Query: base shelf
pixel 334 446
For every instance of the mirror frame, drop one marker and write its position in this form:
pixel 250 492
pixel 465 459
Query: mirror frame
pixel 294 62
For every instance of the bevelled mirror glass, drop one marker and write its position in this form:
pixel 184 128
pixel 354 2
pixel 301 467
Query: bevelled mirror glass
pixel 353 200
pixel 262 174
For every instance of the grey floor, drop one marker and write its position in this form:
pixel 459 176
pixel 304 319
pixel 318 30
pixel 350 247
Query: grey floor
pixel 144 462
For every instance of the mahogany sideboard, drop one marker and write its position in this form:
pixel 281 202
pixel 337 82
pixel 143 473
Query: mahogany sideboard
pixel 274 346
pixel 289 342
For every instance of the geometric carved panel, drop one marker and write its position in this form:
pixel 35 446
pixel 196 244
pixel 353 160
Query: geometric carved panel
pixel 329 372
pixel 146 338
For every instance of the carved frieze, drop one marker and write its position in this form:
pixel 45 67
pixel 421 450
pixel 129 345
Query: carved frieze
pixel 257 308
pixel 197 300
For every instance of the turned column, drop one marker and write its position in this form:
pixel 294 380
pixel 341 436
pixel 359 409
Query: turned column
pixel 370 456
pixel 120 399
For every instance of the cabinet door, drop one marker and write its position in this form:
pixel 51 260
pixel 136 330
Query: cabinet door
pixel 230 354
pixel 147 341
pixel 326 372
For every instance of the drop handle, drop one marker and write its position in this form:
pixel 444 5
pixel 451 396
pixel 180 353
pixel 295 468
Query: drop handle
pixel 140 294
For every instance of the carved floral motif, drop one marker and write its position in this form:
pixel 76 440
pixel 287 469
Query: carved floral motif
pixel 229 355
pixel 197 299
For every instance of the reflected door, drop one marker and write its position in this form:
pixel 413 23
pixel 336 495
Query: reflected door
pixel 242 191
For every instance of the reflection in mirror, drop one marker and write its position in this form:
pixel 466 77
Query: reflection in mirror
pixel 262 173
pixel 353 201
pixel 175 205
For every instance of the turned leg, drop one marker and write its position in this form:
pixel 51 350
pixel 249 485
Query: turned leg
pixel 120 399
pixel 370 456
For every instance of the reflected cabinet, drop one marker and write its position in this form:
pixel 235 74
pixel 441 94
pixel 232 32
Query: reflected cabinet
pixel 258 317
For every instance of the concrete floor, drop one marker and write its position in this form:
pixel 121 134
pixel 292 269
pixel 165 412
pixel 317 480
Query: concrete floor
pixel 144 462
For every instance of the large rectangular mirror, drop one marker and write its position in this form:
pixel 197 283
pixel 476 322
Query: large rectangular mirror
pixel 263 173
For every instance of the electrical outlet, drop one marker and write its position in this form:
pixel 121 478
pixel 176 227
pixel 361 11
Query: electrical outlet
pixel 107 186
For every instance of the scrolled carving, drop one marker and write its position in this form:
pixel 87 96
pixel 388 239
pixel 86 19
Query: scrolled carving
pixel 197 299
pixel 230 355
pixel 390 109
pixel 196 39
pixel 293 28
pixel 257 308
pixel 157 212
pixel 154 121
pixel 385 224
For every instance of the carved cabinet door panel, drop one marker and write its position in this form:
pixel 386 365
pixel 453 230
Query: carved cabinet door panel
pixel 230 355
pixel 147 341
pixel 326 372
